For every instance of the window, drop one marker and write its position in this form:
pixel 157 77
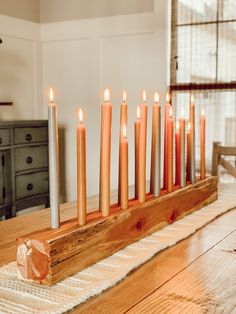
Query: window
pixel 203 63
pixel 203 41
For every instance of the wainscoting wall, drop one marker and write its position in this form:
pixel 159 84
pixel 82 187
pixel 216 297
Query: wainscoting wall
pixel 20 64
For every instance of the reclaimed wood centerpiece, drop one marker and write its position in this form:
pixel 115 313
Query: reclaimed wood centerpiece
pixel 51 255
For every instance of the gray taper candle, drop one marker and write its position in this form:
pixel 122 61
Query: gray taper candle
pixel 155 180
pixel 53 163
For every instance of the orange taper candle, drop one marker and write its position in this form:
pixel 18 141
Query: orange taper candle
pixel 81 171
pixel 170 152
pixel 177 154
pixel 156 147
pixel 105 155
pixel 182 168
pixel 202 145
pixel 188 164
pixel 124 186
pixel 136 150
pixel 123 121
pixel 192 140
pixel 142 150
pixel 166 118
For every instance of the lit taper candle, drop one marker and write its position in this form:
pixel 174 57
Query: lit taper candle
pixel 170 152
pixel 188 163
pixel 182 149
pixel 105 155
pixel 81 170
pixel 136 150
pixel 53 162
pixel 124 173
pixel 156 147
pixel 202 145
pixel 166 119
pixel 142 150
pixel 177 154
pixel 192 140
pixel 123 121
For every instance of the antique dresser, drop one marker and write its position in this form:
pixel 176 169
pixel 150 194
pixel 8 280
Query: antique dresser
pixel 23 165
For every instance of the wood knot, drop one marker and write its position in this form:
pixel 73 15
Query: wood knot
pixel 138 225
pixel 173 216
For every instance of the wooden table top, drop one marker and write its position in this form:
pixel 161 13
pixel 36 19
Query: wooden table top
pixel 198 275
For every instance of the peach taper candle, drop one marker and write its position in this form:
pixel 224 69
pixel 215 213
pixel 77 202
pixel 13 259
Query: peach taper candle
pixel 166 119
pixel 170 151
pixel 81 170
pixel 123 121
pixel 156 147
pixel 182 168
pixel 105 155
pixel 202 145
pixel 124 173
pixel 136 150
pixel 192 140
pixel 142 150
pixel 53 162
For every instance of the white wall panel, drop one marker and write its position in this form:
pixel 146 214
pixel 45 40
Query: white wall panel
pixel 80 59
pixel 19 63
pixel 69 67
pixel 133 63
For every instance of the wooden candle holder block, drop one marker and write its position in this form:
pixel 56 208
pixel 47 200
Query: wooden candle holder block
pixel 51 255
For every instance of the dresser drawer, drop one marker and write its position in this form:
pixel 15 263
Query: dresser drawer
pixel 30 135
pixel 1 183
pixel 5 137
pixel 27 158
pixel 31 184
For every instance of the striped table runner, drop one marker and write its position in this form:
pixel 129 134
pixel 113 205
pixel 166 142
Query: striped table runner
pixel 21 297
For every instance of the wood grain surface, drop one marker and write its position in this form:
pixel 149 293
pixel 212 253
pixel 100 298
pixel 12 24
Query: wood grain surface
pixel 136 293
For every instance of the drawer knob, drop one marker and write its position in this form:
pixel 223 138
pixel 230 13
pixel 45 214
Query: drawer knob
pixel 28 137
pixel 30 187
pixel 0 140
pixel 29 160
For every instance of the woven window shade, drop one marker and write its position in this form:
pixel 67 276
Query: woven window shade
pixel 203 63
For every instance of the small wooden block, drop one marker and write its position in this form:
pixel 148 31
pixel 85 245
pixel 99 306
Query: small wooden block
pixel 50 255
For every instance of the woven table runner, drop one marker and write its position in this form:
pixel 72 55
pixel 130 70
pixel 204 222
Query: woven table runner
pixel 22 297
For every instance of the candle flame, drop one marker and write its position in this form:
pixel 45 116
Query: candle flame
pixel 80 114
pixel 106 95
pixel 202 112
pixel 182 112
pixel 144 96
pixel 124 96
pixel 189 126
pixel 138 112
pixel 156 97
pixel 167 97
pixel 51 95
pixel 192 99
pixel 124 131
pixel 177 125
pixel 170 112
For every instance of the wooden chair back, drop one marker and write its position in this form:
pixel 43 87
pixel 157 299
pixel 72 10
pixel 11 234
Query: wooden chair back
pixel 217 159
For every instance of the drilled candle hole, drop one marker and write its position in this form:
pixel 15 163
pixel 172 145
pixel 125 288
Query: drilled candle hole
pixel 173 216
